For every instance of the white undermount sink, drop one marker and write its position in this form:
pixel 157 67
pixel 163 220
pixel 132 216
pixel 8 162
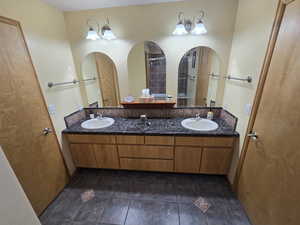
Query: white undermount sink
pixel 98 123
pixel 199 124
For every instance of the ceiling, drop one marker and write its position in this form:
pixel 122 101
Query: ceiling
pixel 73 5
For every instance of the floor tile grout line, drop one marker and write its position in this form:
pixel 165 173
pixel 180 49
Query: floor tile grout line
pixel 127 211
pixel 178 207
pixel 100 216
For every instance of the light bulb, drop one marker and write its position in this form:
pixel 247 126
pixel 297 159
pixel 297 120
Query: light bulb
pixel 108 35
pixel 180 29
pixel 92 35
pixel 199 28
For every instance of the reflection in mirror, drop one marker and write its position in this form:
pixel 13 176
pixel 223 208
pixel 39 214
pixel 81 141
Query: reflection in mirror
pixel 146 69
pixel 197 78
pixel 104 91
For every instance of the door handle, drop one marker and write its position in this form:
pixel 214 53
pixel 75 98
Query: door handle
pixel 46 131
pixel 253 135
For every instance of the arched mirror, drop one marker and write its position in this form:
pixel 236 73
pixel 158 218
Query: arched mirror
pixel 198 78
pixel 101 80
pixel 146 69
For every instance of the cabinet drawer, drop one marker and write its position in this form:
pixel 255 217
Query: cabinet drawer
pixel 204 141
pixel 152 152
pixel 159 140
pixel 93 139
pixel 216 160
pixel 147 164
pixel 130 139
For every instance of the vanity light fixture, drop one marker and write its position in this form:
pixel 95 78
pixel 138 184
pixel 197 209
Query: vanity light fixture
pixel 107 33
pixel 199 27
pixel 180 26
pixel 184 26
pixel 92 34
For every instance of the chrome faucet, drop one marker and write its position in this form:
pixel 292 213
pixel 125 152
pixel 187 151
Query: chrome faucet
pixel 198 117
pixel 99 116
pixel 144 120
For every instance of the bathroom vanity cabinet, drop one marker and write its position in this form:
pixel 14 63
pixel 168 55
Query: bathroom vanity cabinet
pixel 180 154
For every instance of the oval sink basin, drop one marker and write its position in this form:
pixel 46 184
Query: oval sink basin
pixel 199 124
pixel 98 123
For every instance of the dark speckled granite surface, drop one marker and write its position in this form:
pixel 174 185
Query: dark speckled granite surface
pixel 164 126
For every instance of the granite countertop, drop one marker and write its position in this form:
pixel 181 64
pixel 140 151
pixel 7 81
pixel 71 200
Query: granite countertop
pixel 170 126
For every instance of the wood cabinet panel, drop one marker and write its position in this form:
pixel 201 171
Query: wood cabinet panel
pixel 106 156
pixel 187 159
pixel 159 140
pixel 91 139
pixel 147 164
pixel 205 141
pixel 191 153
pixel 83 155
pixel 130 139
pixel 216 160
pixel 146 151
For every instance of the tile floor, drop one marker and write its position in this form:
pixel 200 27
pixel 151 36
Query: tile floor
pixel 141 198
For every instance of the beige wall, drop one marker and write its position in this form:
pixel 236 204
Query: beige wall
pixel 136 70
pixel 15 208
pixel 135 24
pixel 252 30
pixel 45 34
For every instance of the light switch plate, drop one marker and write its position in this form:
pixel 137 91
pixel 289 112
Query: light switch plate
pixel 52 109
pixel 248 109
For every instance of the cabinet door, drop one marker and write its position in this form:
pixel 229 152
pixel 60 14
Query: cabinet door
pixel 187 159
pixel 83 155
pixel 216 160
pixel 106 156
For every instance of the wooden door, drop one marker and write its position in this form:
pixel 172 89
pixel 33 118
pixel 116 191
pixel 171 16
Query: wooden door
pixel 107 80
pixel 269 182
pixel 204 67
pixel 35 158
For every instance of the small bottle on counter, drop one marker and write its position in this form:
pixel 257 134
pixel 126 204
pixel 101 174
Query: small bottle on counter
pixel 210 115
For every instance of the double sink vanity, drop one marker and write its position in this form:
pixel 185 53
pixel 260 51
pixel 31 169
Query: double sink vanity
pixel 169 140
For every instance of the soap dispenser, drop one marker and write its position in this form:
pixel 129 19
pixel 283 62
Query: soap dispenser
pixel 210 114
